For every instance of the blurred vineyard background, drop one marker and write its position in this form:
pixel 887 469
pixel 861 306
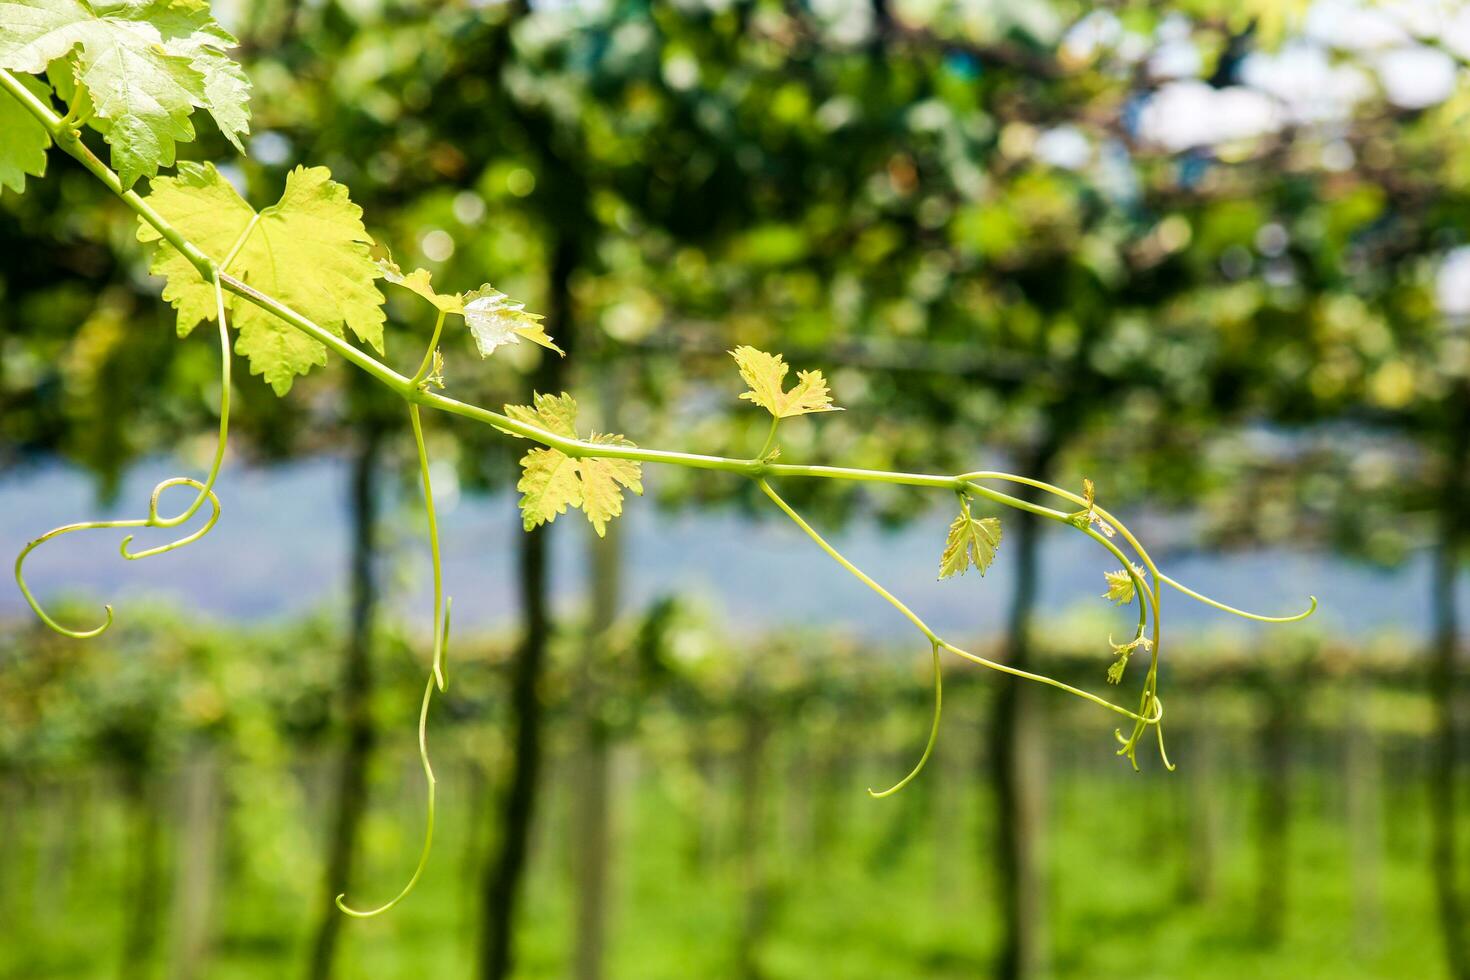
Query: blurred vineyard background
pixel 1214 257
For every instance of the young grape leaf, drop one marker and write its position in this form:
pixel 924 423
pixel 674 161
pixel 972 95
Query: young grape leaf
pixel 23 140
pixel 765 374
pixel 309 250
pixel 548 486
pixel 420 281
pixel 970 542
pixel 554 413
pixel 602 500
pixel 551 481
pixel 1116 668
pixel 1122 651
pixel 1087 516
pixel 1082 518
pixel 147 64
pixel 494 319
pixel 1120 585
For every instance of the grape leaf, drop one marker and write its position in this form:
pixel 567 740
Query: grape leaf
pixel 23 140
pixel 554 413
pixel 147 64
pixel 1121 588
pixel 551 481
pixel 494 319
pixel 602 500
pixel 970 541
pixel 548 486
pixel 420 281
pixel 765 374
pixel 309 250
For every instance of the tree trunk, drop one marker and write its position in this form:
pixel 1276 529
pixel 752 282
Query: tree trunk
pixel 1364 802
pixel 1016 774
pixel 1273 811
pixel 195 874
pixel 592 814
pixel 357 687
pixel 753 883
pixel 1205 800
pixel 142 919
pixel 1444 679
pixel 503 873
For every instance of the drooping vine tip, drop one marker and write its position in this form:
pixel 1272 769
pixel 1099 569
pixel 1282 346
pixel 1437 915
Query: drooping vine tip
pixel 358 914
pixel 83 634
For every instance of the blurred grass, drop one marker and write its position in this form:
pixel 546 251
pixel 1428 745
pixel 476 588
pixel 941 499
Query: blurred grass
pixel 892 888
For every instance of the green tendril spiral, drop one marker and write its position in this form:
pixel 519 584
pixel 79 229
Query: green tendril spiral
pixel 205 493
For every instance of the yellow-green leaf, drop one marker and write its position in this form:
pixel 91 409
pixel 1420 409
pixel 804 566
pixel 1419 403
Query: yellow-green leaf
pixel 309 250
pixel 765 374
pixel 549 484
pixel 1121 588
pixel 23 140
pixel 147 65
pixel 495 319
pixel 971 541
pixel 1088 517
pixel 1122 651
pixel 420 281
pixel 552 481
pixel 554 413
pixel 602 500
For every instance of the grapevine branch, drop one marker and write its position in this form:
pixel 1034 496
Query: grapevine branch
pixel 1146 582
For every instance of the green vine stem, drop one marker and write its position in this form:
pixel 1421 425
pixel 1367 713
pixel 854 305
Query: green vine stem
pixel 1149 704
pixel 1128 536
pixel 770 438
pixel 427 364
pixel 1151 709
pixel 1159 579
pixel 575 448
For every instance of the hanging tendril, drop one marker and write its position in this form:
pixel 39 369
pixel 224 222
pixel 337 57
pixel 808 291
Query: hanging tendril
pixel 440 633
pixel 442 607
pixel 933 733
pixel 429 782
pixel 205 492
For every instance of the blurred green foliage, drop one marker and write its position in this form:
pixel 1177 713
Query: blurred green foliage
pixel 165 709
